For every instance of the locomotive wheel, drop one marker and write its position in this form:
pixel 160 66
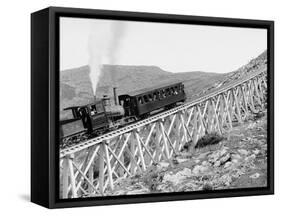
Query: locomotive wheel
pixel 99 132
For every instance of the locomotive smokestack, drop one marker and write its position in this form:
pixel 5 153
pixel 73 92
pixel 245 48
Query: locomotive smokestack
pixel 115 96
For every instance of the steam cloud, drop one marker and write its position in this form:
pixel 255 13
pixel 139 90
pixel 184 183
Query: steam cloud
pixel 104 43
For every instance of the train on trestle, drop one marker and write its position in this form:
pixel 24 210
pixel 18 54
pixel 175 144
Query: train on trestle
pixel 102 116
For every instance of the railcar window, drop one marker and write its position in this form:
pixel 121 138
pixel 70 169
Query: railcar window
pixel 140 101
pixel 84 111
pixel 126 102
pixel 155 96
pixel 122 102
pixel 160 95
pixel 168 91
pixel 150 98
pixel 163 93
pixel 93 110
pixel 145 98
pixel 99 108
pixel 176 90
pixel 79 113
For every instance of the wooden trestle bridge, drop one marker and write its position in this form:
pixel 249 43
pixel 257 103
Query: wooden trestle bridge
pixel 91 168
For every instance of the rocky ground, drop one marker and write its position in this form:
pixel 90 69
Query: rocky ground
pixel 238 161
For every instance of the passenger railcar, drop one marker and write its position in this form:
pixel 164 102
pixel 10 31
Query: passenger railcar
pixel 141 103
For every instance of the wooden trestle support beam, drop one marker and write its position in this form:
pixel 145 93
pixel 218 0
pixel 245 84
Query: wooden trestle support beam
pixel 93 170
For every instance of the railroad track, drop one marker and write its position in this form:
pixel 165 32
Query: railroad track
pixel 83 145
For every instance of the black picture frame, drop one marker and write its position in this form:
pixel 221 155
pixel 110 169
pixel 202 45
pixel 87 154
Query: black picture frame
pixel 45 103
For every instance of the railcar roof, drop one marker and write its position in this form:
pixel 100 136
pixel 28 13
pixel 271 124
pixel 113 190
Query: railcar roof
pixel 146 90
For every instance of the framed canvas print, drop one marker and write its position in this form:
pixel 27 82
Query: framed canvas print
pixel 139 107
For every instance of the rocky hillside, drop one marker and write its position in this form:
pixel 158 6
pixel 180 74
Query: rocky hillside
pixel 238 161
pixel 255 65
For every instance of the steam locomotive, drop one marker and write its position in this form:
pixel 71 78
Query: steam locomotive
pixel 102 116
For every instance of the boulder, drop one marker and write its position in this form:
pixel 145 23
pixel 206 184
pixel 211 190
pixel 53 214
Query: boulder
pixel 181 160
pixel 227 164
pixel 243 151
pixel 205 163
pixel 225 158
pixel 254 176
pixel 178 177
pixel 198 169
pixel 164 164
pixel 217 164
pixel 235 157
pixel 250 158
pixel 186 172
pixel 226 179
pixel 188 186
pixel 215 156
pixel 234 161
pixel 256 151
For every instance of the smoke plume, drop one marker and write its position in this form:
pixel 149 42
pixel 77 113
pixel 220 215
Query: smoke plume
pixel 104 43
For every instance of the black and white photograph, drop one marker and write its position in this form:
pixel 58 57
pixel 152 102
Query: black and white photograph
pixel 154 108
pixel 135 108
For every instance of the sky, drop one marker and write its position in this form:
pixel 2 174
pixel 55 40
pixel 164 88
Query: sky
pixel 172 47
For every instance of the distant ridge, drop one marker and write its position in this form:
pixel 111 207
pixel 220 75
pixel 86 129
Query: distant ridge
pixel 76 87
